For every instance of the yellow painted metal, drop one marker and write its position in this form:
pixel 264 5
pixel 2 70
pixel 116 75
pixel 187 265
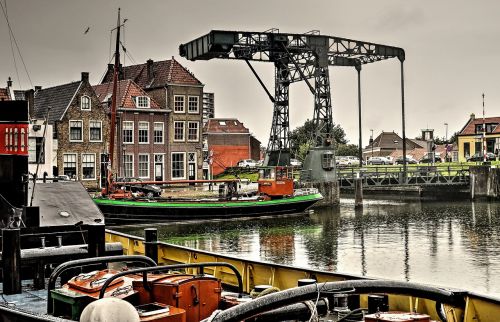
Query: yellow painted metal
pixel 478 309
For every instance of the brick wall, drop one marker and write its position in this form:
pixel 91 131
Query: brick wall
pixel 65 146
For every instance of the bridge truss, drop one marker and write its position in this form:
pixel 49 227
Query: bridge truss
pixel 296 57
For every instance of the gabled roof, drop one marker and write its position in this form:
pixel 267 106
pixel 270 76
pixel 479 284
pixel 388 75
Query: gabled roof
pixel 470 126
pixel 230 125
pixel 57 98
pixel 386 140
pixel 126 90
pixel 164 72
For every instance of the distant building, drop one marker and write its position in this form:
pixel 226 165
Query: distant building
pixel 177 90
pixel 470 138
pixel 7 93
pixel 228 142
pixel 141 142
pixel 208 107
pixel 81 129
pixel 386 143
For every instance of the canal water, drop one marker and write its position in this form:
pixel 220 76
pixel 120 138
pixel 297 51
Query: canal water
pixel 454 244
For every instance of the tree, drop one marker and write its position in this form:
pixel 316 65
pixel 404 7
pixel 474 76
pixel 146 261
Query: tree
pixel 301 139
pixel 347 149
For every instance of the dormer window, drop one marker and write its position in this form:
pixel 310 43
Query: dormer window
pixel 142 102
pixel 85 103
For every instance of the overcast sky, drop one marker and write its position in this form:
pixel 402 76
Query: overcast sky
pixel 452 49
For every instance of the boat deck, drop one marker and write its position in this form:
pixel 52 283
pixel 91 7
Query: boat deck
pixel 29 300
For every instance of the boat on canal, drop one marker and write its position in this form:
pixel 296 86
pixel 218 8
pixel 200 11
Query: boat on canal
pixel 275 195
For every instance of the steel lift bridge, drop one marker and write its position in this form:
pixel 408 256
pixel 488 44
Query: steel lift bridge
pixel 296 57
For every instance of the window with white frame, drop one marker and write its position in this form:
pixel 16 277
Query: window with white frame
pixel 128 132
pixel 193 104
pixel 69 165
pixel 143 132
pixel 178 131
pixel 95 131
pixel 193 131
pixel 85 103
pixel 34 149
pixel 178 104
pixel 158 132
pixel 75 131
pixel 88 166
pixel 143 166
pixel 178 165
pixel 128 165
pixel 142 102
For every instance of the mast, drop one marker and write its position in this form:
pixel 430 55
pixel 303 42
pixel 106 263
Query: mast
pixel 113 108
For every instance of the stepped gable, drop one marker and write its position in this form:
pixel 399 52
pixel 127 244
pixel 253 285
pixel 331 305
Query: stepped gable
pixel 58 98
pixel 127 90
pixel 161 73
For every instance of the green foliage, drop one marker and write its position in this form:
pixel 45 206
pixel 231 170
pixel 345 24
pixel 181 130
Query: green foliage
pixel 347 149
pixel 303 137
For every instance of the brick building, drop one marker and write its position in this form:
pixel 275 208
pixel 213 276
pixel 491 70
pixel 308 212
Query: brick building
pixel 229 141
pixel 81 128
pixel 177 90
pixel 141 143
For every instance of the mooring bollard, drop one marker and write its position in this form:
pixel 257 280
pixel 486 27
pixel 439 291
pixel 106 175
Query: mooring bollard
pixel 96 238
pixel 11 261
pixel 358 192
pixel 151 243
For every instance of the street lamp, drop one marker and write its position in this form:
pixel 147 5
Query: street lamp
pixel 371 140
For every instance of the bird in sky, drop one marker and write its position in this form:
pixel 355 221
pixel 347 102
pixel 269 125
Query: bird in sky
pixel 86 31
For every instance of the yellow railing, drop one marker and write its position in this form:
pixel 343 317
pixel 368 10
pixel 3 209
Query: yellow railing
pixel 478 308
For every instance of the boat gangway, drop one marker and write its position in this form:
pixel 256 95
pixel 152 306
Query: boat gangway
pixel 395 176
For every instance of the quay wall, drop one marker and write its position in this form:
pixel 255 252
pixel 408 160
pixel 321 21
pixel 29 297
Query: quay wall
pixel 484 182
pixel 414 192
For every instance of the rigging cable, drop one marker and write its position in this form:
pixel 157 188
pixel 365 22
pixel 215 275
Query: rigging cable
pixel 15 42
pixel 12 50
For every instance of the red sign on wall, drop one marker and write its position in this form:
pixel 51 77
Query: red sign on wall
pixel 14 139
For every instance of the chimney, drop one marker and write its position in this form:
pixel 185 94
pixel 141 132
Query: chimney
pixel 472 116
pixel 150 69
pixel 37 88
pixel 85 77
pixel 9 82
pixel 29 96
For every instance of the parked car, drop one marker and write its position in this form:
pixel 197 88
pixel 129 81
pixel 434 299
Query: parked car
pixel 148 190
pixel 247 163
pixel 428 159
pixel 377 161
pixel 409 160
pixel 347 161
pixel 295 163
pixel 479 157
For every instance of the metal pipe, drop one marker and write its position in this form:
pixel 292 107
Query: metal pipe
pixel 151 243
pixel 144 271
pixel 360 154
pixel 401 59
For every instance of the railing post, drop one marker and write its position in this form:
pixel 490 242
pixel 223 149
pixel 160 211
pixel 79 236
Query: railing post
pixel 96 238
pixel 11 261
pixel 151 243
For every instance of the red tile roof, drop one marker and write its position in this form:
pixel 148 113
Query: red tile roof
pixel 164 72
pixel 225 126
pixel 470 127
pixel 127 89
pixel 4 94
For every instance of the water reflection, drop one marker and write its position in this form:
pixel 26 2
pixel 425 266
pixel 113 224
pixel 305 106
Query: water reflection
pixel 452 244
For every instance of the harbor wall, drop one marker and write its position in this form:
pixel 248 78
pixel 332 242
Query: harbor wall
pixel 414 192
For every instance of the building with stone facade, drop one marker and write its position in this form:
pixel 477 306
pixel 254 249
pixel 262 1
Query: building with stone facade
pixel 177 90
pixel 141 140
pixel 81 129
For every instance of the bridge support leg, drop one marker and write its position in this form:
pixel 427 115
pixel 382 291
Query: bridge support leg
pixel 358 193
pixel 330 191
